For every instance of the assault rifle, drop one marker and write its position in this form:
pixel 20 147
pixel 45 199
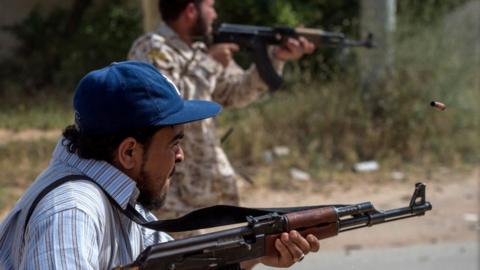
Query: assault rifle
pixel 257 38
pixel 227 248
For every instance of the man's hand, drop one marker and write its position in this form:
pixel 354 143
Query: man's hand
pixel 293 49
pixel 291 248
pixel 223 52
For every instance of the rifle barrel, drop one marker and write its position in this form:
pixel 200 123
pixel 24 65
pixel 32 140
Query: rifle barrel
pixel 378 217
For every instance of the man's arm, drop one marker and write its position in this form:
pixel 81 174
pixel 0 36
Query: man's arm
pixel 237 87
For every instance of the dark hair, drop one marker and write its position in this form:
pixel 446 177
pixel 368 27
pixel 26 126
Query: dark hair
pixel 101 146
pixel 170 10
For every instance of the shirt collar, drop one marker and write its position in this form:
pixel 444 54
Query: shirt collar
pixel 117 184
pixel 176 42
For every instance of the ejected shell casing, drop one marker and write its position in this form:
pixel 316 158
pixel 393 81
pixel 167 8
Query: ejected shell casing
pixel 438 105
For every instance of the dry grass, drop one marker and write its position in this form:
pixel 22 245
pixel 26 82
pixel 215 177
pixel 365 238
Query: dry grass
pixel 20 164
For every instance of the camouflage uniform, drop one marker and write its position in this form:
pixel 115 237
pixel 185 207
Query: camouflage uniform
pixel 205 177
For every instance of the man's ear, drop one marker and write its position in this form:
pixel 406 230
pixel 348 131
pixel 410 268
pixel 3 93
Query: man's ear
pixel 191 12
pixel 128 154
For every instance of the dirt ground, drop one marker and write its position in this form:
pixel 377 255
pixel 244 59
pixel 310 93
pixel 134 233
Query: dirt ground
pixel 454 217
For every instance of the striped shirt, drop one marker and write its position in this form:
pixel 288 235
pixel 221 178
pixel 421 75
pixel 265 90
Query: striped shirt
pixel 75 226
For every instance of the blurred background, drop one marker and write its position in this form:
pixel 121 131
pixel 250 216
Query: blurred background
pixel 349 125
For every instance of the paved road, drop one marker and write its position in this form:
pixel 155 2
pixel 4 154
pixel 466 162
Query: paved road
pixel 445 256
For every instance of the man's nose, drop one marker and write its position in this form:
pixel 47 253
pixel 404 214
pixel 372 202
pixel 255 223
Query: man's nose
pixel 179 157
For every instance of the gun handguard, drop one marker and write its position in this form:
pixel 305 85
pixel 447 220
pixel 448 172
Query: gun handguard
pixel 321 222
pixel 257 38
pixel 230 247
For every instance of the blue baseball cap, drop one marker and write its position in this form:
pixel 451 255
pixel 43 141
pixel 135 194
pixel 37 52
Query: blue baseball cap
pixel 133 95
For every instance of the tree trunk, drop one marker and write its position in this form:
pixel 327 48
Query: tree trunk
pixel 378 17
pixel 151 16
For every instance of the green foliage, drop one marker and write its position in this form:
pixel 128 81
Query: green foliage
pixel 56 51
pixel 326 14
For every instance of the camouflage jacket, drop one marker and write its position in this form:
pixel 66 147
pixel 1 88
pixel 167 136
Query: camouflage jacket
pixel 206 176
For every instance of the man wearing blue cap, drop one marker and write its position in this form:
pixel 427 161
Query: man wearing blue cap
pixel 119 155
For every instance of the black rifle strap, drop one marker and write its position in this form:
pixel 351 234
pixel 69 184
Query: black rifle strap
pixel 130 212
pixel 214 216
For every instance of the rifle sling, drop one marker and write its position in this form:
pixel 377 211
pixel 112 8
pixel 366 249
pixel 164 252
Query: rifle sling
pixel 214 216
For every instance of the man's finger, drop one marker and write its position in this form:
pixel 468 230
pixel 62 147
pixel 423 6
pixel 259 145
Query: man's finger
pixel 227 52
pixel 282 248
pixel 292 42
pixel 308 47
pixel 295 47
pixel 295 251
pixel 314 243
pixel 300 241
pixel 233 47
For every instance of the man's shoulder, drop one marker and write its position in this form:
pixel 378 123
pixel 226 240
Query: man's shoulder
pixel 150 42
pixel 81 195
pixel 153 48
pixel 152 39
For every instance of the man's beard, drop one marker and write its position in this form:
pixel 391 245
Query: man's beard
pixel 148 198
pixel 200 29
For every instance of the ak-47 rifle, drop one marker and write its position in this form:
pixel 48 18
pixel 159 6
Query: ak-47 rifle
pixel 227 248
pixel 257 38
